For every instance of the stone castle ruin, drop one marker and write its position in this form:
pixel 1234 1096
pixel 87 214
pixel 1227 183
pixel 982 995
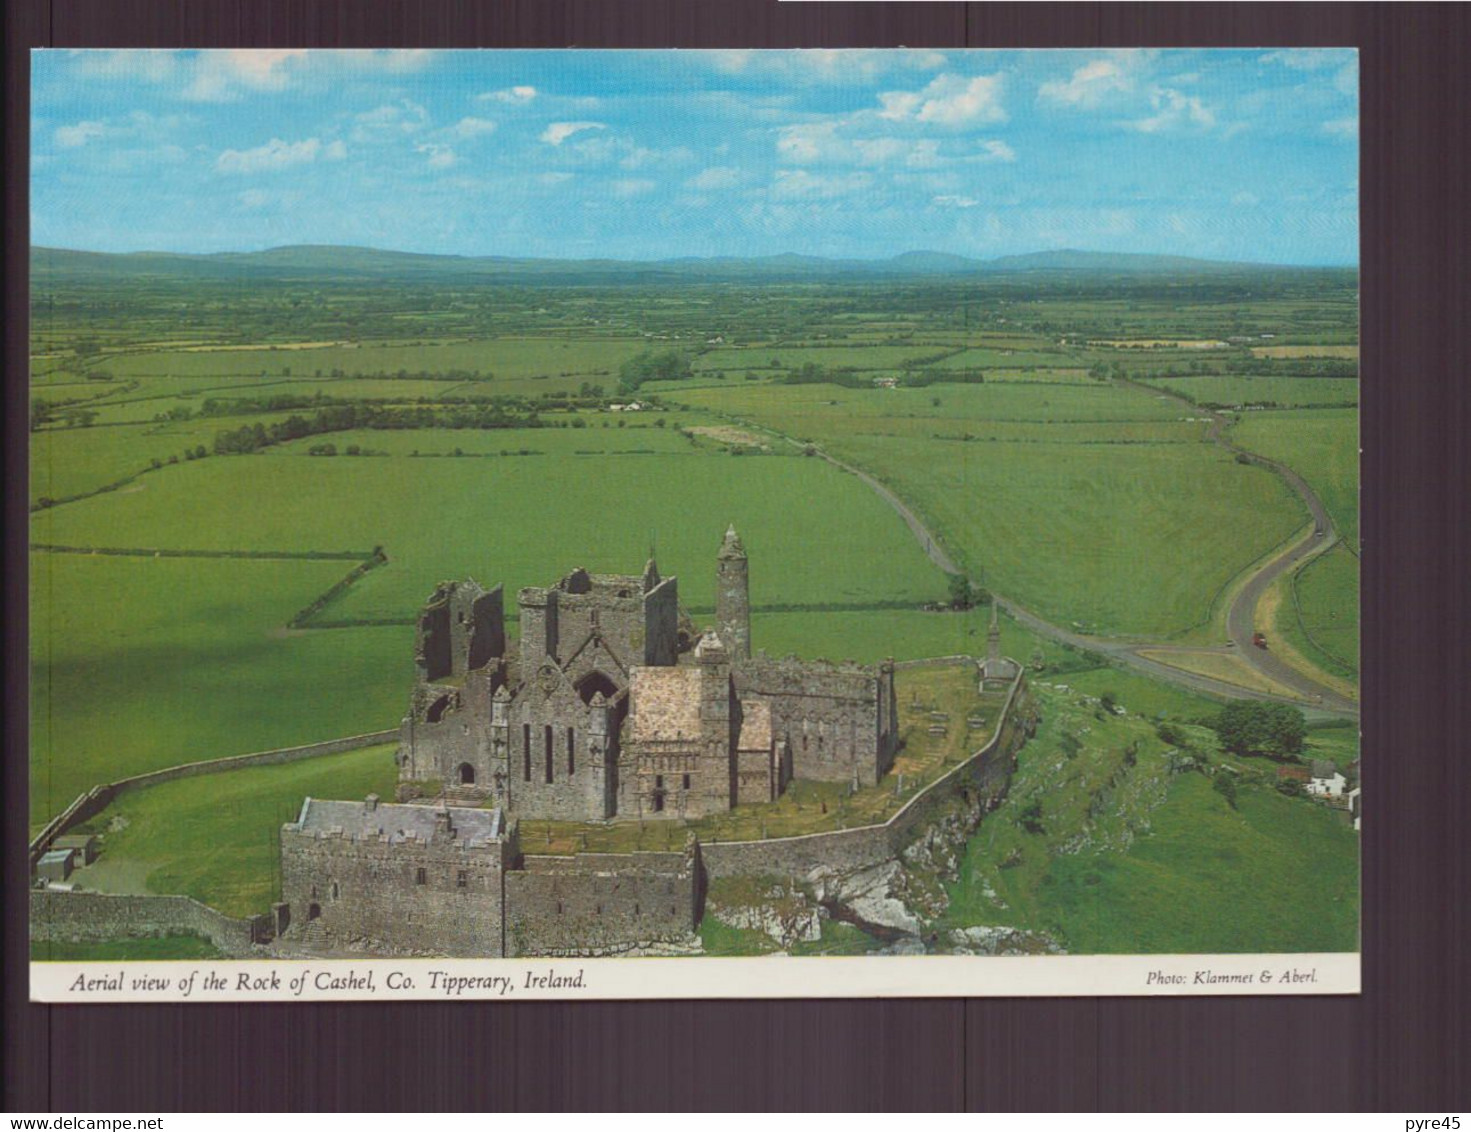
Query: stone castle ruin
pixel 611 708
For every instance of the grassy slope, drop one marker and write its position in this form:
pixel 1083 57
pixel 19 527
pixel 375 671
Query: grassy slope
pixel 215 838
pixel 141 663
pixel 1144 860
pixel 126 950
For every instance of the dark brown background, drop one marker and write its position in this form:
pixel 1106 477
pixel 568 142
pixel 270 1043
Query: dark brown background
pixel 1401 1046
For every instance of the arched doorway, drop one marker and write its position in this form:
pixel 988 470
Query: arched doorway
pixel 313 911
pixel 466 774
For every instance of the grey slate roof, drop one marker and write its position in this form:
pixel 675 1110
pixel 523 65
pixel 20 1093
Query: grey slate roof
pixel 397 822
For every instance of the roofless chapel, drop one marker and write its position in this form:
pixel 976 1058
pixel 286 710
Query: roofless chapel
pixel 613 707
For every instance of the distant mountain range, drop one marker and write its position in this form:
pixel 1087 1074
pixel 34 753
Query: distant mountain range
pixel 321 260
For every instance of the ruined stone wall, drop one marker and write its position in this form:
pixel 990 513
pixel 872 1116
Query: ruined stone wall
pixel 90 916
pixel 985 774
pixel 832 716
pixel 446 730
pixel 435 897
pixel 601 903
pixel 538 625
pixel 661 624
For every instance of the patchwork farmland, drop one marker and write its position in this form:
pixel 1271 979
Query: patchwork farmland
pixel 237 512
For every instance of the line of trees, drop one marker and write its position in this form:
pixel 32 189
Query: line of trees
pixel 347 417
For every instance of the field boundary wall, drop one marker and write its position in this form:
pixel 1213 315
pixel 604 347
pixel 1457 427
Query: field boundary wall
pixel 99 916
pixel 91 803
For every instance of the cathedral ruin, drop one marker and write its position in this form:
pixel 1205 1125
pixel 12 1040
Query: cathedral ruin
pixel 613 708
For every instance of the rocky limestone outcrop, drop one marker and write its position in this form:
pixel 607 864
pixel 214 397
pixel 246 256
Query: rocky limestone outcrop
pixel 998 941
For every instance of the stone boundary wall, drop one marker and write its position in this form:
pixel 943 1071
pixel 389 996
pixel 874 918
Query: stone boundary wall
pixel 934 662
pixel 88 916
pixel 97 799
pixel 869 845
pixel 602 903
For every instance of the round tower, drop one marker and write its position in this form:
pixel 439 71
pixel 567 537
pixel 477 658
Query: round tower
pixel 733 597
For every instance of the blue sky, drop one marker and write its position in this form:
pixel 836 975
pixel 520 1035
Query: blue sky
pixel 1249 155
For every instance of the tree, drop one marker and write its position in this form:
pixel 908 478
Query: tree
pixel 1031 818
pixel 1250 727
pixel 962 593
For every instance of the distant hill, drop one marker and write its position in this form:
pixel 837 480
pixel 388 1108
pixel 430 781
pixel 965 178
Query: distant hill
pixel 323 261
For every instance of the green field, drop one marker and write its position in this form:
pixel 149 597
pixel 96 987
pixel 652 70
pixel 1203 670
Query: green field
pixel 216 837
pixel 1321 445
pixel 143 663
pixel 1287 392
pixel 1108 556
pixel 1322 615
pixel 1097 505
pixel 1137 858
pixel 526 520
pixel 147 949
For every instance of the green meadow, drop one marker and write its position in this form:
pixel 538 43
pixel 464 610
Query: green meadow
pixel 1322 612
pixel 1078 532
pixel 1287 392
pixel 143 663
pixel 1109 846
pixel 1322 446
pixel 1099 506
pixel 215 837
pixel 526 519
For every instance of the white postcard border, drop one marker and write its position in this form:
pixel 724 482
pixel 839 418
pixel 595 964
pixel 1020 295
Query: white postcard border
pixel 776 977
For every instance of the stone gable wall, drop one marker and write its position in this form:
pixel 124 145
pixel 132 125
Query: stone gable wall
pixel 379 904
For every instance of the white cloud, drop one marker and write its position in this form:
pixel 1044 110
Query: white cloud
pixel 70 137
pixel 467 128
pixel 254 198
pixel 558 132
pixel 335 151
pixel 1309 58
pixel 390 119
pixel 513 95
pixel 275 154
pixel 1342 127
pixel 1173 110
pixel 949 100
pixel 996 150
pixel 716 177
pixel 952 200
pixel 632 188
pixel 222 75
pixel 440 156
pixel 1245 199
pixel 824 143
pixel 554 178
pixel 821 64
pixel 1090 84
pixel 800 183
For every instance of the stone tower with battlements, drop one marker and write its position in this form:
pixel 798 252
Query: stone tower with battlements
pixel 733 597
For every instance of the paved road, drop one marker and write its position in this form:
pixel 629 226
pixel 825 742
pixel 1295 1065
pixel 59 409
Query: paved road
pixel 1240 618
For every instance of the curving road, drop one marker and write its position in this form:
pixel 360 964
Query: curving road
pixel 1240 618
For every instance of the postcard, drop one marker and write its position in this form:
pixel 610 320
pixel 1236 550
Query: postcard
pixel 656 524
